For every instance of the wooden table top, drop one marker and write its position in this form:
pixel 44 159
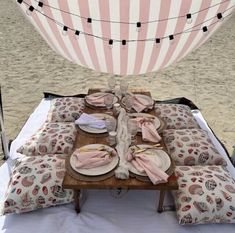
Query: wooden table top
pixel 84 138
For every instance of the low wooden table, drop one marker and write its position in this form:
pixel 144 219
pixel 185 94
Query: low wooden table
pixel 84 138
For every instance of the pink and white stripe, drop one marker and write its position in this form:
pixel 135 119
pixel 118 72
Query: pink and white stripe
pixel 136 57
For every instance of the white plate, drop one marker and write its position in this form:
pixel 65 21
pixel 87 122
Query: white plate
pixel 157 122
pixel 89 129
pixel 158 154
pixel 97 94
pixel 97 170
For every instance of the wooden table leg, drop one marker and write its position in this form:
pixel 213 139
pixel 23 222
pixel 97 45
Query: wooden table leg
pixel 161 201
pixel 77 200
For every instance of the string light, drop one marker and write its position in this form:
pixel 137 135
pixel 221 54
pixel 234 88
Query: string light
pixel 189 18
pixel 77 33
pixel 110 43
pixel 171 38
pixel 123 44
pixel 138 24
pixel 220 16
pixel 29 10
pixel 89 20
pixel 40 5
pixel 65 31
pixel 205 30
pixel 158 41
pixel 134 23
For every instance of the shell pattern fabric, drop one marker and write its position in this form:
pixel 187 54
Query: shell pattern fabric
pixel 36 182
pixel 66 109
pixel 176 116
pixel 206 195
pixel 51 138
pixel 191 147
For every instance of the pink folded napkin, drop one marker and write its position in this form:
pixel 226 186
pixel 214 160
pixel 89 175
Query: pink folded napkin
pixel 91 159
pixel 139 103
pixel 148 164
pixel 97 99
pixel 149 131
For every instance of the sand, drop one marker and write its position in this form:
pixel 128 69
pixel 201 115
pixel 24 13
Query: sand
pixel 29 67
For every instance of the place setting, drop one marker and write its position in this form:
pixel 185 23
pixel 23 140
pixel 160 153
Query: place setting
pixel 149 163
pixel 96 123
pixel 137 102
pixel 93 162
pixel 101 100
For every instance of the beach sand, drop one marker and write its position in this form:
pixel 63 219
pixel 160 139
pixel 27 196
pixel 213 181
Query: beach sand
pixel 29 67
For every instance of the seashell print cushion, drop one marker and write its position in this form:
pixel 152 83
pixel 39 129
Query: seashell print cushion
pixel 206 195
pixel 51 138
pixel 36 182
pixel 176 116
pixel 191 147
pixel 67 109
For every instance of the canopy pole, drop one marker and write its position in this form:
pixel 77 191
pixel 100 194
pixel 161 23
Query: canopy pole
pixel 4 139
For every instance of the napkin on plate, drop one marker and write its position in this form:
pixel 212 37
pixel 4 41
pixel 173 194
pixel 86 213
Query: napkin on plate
pixel 91 121
pixel 149 131
pixel 144 162
pixel 91 159
pixel 140 103
pixel 97 99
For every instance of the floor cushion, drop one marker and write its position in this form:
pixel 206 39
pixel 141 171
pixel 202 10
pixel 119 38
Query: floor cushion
pixel 36 182
pixel 176 116
pixel 66 109
pixel 206 195
pixel 51 138
pixel 191 147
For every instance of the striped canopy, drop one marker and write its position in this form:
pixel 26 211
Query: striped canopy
pixel 126 36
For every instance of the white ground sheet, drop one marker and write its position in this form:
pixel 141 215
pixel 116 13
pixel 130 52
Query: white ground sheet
pixel 134 212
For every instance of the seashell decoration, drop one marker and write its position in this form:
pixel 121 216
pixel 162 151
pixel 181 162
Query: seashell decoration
pixel 203 157
pixel 226 196
pixel 35 190
pixel 196 173
pixel 45 178
pixel 186 208
pixel 196 189
pixel 58 191
pixel 25 170
pixel 26 200
pixel 229 188
pixel 219 203
pixel 210 184
pixel 209 199
pixel 60 174
pixel 189 161
pixel 28 181
pixel 186 199
pixel 40 200
pixel 201 206
pixel 222 178
pixel 186 219
pixel 232 208
pixel 9 202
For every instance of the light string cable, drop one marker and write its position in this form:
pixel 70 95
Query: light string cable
pixel 189 15
pixel 171 36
